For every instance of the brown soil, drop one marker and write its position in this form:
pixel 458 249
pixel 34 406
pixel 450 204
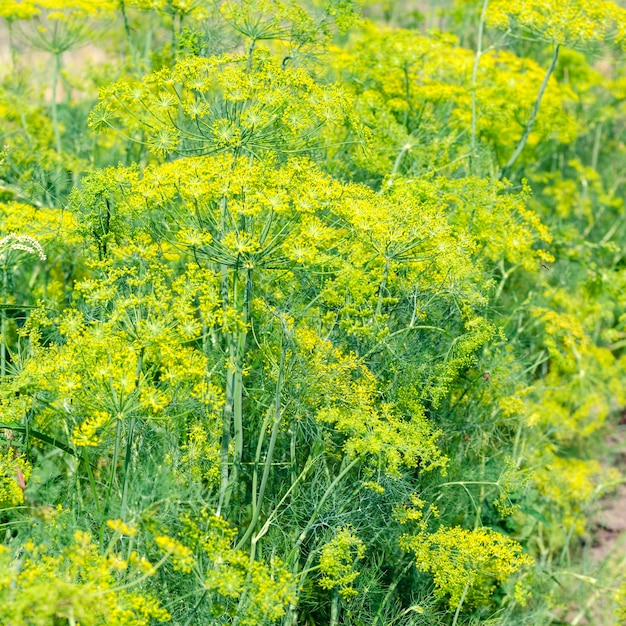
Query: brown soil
pixel 610 526
pixel 607 552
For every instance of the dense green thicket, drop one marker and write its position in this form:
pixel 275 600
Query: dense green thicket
pixel 309 318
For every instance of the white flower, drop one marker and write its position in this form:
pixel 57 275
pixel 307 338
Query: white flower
pixel 25 243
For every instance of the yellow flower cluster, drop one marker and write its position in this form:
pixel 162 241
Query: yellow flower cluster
pixel 269 101
pixel 121 527
pixel 180 555
pixel 571 22
pixel 570 484
pixel 267 589
pixel 337 561
pixel 14 470
pixel 403 81
pixel 341 391
pixel 466 564
pixel 77 585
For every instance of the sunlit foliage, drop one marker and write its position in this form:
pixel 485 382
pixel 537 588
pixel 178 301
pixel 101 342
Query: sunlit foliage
pixel 307 318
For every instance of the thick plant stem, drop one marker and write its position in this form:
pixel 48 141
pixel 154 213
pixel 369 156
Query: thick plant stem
pixel 479 53
pixel 533 115
pixel 242 336
pixel 236 350
pixel 237 384
pixel 334 609
pixel 258 499
pixel 250 55
pixel 226 424
pixel 227 415
pixel 479 508
pixel 596 146
pixel 233 407
pixel 130 434
pixel 114 460
pixel 398 161
pixel 129 440
pixel 257 457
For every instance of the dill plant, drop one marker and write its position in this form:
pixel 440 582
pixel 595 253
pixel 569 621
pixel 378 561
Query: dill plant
pixel 303 354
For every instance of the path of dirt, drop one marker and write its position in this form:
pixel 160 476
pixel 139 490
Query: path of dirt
pixel 607 552
pixel 610 526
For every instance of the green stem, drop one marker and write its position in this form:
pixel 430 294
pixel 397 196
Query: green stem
pixel 479 508
pixel 479 52
pixel 596 146
pixel 195 608
pixel 407 94
pixel 250 55
pixel 382 288
pixel 227 477
pixel 268 457
pixel 224 451
pixel 460 604
pixel 92 482
pixel 233 407
pixel 398 161
pixel 129 439
pixel 127 459
pixel 320 504
pixel 257 457
pixel 516 457
pixel 292 616
pixel 242 336
pixel 28 431
pixel 533 115
pixel 390 591
pixel 129 39
pixel 29 418
pixel 293 458
pixel 334 608
pixel 289 491
pixel 114 461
